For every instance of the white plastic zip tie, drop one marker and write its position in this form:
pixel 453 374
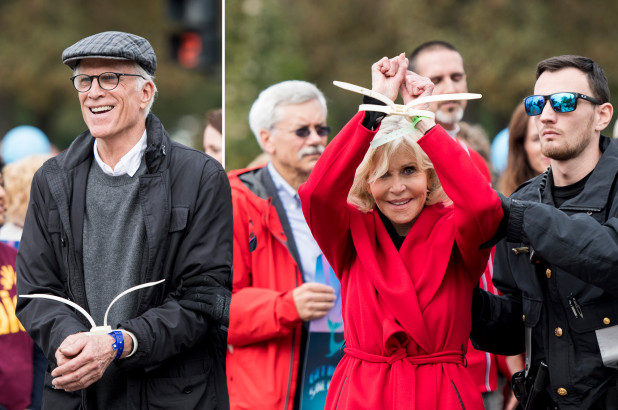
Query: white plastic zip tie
pixel 94 330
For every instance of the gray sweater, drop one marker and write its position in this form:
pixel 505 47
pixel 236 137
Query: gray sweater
pixel 114 237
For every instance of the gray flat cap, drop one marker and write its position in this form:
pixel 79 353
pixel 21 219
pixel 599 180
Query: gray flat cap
pixel 114 45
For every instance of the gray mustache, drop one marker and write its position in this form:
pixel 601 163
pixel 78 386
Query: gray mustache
pixel 311 150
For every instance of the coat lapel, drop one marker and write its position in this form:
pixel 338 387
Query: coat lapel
pixel 386 271
pixel 427 250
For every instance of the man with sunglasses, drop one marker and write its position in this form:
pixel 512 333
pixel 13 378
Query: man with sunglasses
pixel 557 264
pixel 275 255
pixel 121 207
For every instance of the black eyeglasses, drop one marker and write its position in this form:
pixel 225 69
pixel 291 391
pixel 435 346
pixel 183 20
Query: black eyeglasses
pixel 107 81
pixel 321 130
pixel 560 102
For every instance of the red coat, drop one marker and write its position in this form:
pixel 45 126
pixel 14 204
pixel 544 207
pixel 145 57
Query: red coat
pixel 406 312
pixel 265 329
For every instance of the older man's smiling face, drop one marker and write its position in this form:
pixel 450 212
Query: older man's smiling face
pixel 113 114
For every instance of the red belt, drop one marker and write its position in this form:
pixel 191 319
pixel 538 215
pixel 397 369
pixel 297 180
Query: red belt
pixel 447 356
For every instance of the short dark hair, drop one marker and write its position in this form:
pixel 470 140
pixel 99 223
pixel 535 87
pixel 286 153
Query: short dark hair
pixel 429 45
pixel 596 77
pixel 215 120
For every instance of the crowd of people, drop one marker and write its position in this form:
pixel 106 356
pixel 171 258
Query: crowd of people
pixel 390 268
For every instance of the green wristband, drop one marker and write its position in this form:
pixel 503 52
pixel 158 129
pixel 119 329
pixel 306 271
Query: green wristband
pixel 416 119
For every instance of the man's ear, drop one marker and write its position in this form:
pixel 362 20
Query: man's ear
pixel 268 143
pixel 147 94
pixel 604 116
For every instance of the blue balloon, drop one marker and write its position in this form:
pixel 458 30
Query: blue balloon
pixel 23 141
pixel 500 150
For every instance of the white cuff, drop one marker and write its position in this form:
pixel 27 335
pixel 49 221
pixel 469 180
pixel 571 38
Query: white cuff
pixel 134 343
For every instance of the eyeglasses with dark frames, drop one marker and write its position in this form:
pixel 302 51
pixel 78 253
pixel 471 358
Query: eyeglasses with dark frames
pixel 107 81
pixel 560 102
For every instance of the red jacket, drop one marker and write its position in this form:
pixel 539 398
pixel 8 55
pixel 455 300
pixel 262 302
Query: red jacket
pixel 407 312
pixel 265 329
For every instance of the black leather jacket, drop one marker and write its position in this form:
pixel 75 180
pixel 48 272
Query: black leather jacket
pixel 567 291
pixel 186 202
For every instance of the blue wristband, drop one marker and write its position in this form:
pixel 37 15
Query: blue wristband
pixel 118 345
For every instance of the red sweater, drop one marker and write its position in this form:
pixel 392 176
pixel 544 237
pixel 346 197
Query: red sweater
pixel 406 312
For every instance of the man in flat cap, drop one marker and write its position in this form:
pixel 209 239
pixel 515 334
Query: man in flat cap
pixel 124 206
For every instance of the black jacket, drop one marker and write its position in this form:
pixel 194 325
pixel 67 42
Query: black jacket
pixel 186 202
pixel 575 263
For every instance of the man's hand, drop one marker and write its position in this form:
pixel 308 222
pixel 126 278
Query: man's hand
pixel 414 86
pixel 82 360
pixel 387 75
pixel 313 300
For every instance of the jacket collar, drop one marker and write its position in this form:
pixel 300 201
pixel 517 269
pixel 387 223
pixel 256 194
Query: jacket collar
pixel 259 182
pixel 156 154
pixel 597 190
pixel 159 145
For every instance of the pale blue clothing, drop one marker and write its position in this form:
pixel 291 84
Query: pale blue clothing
pixel 308 249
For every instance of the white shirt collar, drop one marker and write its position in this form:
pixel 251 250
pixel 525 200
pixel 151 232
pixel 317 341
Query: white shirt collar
pixel 128 164
pixel 280 182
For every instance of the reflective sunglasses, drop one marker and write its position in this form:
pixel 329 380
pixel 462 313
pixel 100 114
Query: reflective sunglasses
pixel 560 102
pixel 321 130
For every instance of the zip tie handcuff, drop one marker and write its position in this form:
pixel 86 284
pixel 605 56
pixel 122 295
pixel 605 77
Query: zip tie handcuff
pixel 404 110
pixel 94 330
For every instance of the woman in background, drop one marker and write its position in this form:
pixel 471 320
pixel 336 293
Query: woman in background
pixel 525 159
pixel 213 138
pixel 17 180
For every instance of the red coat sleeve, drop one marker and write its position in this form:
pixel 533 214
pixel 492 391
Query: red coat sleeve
pixel 324 195
pixel 477 209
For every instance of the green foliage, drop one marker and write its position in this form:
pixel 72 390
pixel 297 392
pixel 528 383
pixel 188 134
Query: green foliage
pixel 35 89
pixel 268 41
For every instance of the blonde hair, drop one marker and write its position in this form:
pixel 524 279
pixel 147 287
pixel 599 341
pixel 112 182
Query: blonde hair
pixel 377 161
pixel 17 181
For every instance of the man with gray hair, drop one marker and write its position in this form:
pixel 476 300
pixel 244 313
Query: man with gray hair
pixel 124 206
pixel 274 252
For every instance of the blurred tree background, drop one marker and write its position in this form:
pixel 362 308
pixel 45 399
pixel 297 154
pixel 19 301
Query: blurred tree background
pixel 268 41
pixel 35 88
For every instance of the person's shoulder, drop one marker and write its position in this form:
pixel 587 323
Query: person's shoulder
pixel 247 184
pixel 529 189
pixel 53 164
pixel 247 178
pixel 191 157
pixel 184 151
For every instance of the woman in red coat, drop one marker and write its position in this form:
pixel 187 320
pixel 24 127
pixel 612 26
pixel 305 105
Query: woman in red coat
pixel 407 256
